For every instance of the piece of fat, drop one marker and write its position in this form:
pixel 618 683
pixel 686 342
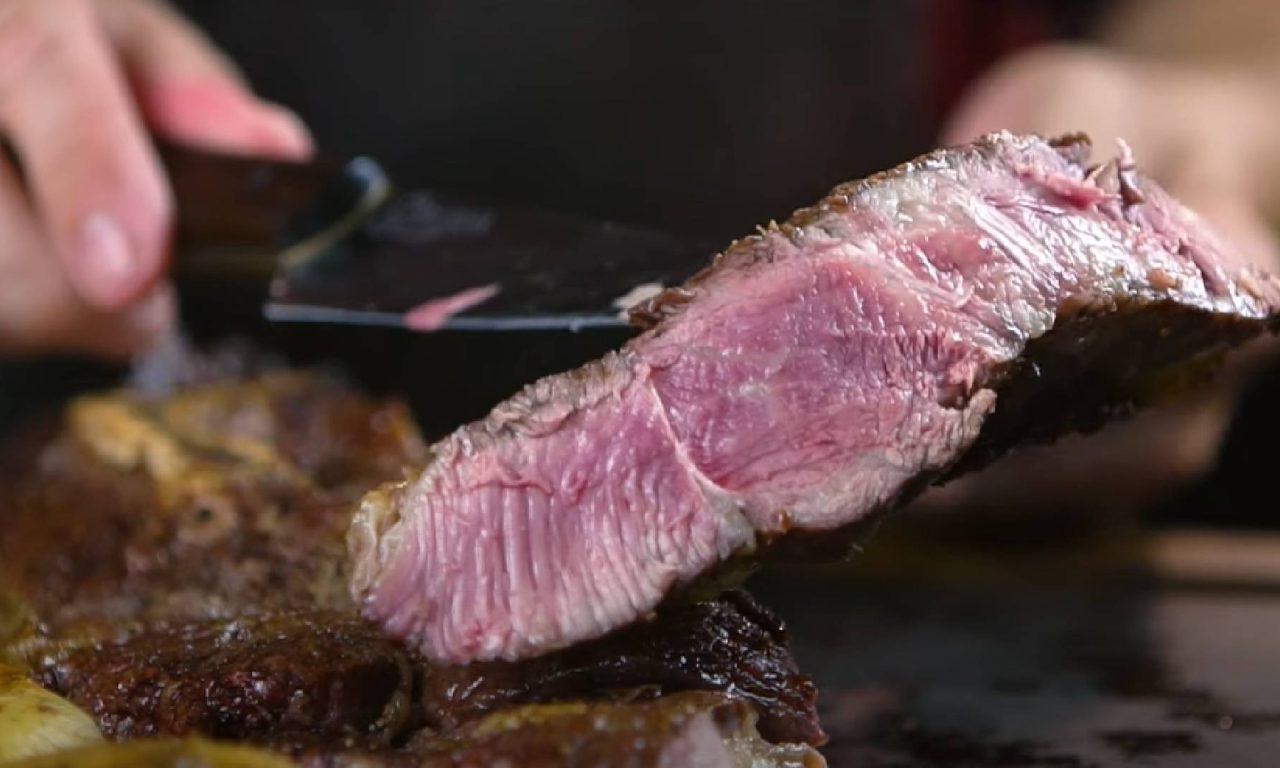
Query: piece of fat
pixel 642 292
pixel 35 722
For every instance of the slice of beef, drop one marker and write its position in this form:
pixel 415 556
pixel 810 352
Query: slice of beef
pixel 174 564
pixel 728 644
pixel 689 730
pixel 696 729
pixel 290 679
pixel 226 499
pixel 907 327
pixel 305 679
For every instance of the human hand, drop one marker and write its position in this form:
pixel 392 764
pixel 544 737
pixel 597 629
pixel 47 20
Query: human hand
pixel 1207 135
pixel 85 211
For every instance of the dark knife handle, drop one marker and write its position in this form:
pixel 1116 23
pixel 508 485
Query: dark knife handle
pixel 234 213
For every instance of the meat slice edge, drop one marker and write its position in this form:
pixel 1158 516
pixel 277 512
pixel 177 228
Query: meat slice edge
pixel 598 440
pixel 812 377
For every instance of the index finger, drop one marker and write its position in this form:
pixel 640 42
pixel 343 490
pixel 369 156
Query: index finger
pixel 188 90
pixel 95 178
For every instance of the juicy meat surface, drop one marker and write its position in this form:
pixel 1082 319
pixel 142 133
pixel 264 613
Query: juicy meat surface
pixel 815 375
pixel 226 499
pixel 290 680
pixel 687 730
pixel 173 564
pixel 307 679
pixel 694 729
pixel 731 643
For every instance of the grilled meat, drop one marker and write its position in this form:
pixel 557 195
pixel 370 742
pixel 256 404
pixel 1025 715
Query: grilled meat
pixel 173 563
pixel 907 327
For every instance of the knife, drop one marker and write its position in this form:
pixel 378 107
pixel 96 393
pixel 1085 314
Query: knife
pixel 336 242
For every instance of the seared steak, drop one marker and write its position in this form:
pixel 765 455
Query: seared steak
pixel 290 679
pixel 181 560
pixel 226 499
pixel 309 679
pixel 174 564
pixel 715 645
pixel 905 328
pixel 696 729
pixel 687 730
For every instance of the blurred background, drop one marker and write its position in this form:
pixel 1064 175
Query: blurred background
pixel 703 117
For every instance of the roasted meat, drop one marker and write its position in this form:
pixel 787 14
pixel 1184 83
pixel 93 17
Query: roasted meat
pixel 226 499
pixel 731 643
pixel 907 327
pixel 174 564
pixel 698 730
pixel 287 679
pixel 180 557
pixel 687 729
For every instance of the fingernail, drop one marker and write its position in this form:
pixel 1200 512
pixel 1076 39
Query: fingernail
pixel 155 314
pixel 106 260
pixel 288 130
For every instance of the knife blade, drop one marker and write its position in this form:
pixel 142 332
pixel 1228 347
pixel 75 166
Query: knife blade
pixel 338 242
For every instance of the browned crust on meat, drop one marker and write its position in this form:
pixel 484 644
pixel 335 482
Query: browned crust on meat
pixel 1074 147
pixel 705 645
pixel 708 728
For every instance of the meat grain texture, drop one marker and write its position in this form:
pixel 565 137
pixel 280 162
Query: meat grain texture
pixel 907 327
pixel 172 567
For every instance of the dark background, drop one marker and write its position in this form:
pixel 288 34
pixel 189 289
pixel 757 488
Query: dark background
pixel 702 116
pixel 697 116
